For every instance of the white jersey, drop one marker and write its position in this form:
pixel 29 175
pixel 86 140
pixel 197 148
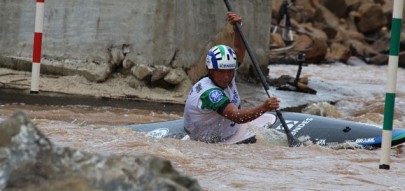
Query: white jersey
pixel 201 119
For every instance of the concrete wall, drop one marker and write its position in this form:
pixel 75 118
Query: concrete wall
pixel 157 31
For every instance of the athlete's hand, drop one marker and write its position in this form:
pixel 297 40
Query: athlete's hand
pixel 271 103
pixel 233 18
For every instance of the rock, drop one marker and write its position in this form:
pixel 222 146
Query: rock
pixel 361 49
pixel 387 8
pixel 325 16
pixel 277 41
pixel 175 76
pixel 401 59
pixel 317 52
pixel 381 59
pixel 116 56
pixel 382 45
pixel 314 31
pixel 355 4
pixel 127 63
pixel 29 161
pixel 330 31
pixel 142 71
pixel 159 72
pixel 303 43
pixel 338 52
pixel 352 34
pixel 338 8
pixel 126 48
pixel 372 17
pixel 349 27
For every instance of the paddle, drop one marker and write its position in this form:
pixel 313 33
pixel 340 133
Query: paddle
pixel 292 141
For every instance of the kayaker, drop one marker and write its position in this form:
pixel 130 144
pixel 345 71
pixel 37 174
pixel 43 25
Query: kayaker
pixel 212 112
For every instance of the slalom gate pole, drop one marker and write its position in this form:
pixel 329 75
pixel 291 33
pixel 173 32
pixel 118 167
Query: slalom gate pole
pixel 36 55
pixel 396 25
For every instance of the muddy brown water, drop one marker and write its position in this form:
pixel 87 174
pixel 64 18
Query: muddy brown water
pixel 261 166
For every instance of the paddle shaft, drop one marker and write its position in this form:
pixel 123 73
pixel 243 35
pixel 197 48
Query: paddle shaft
pixel 292 141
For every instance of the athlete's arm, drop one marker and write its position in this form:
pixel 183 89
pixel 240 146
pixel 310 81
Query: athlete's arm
pixel 238 45
pixel 248 114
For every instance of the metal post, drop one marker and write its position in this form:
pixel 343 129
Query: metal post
pixel 396 24
pixel 36 55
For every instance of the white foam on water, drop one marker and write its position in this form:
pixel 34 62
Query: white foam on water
pixel 268 136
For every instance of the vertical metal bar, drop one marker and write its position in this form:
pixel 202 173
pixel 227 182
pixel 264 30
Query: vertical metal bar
pixel 36 55
pixel 391 84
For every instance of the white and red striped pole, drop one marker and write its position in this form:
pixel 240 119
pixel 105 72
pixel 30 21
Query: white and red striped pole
pixel 396 25
pixel 36 55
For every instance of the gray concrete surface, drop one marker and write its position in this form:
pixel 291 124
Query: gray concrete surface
pixel 158 32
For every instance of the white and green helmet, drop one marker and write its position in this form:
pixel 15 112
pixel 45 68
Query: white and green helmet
pixel 221 57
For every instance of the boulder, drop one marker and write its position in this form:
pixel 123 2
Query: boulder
pixel 29 161
pixel 333 31
pixel 142 71
pixel 372 18
pixel 159 72
pixel 175 76
pixel 127 63
pixel 338 52
pixel 116 56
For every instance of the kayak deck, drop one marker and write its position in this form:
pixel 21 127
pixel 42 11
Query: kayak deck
pixel 322 131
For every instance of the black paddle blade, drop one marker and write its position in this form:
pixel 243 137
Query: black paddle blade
pixel 292 141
